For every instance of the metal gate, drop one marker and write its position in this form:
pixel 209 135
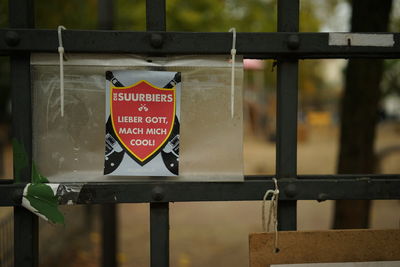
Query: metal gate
pixel 287 46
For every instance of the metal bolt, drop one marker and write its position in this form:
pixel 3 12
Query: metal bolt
pixel 293 41
pixel 291 190
pixel 157 193
pixel 156 40
pixel 322 197
pixel 12 38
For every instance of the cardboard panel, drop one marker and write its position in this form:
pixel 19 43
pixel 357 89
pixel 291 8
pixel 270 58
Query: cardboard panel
pixel 324 247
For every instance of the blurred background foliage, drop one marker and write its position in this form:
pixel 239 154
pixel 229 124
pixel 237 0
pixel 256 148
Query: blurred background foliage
pixel 204 16
pixel 182 15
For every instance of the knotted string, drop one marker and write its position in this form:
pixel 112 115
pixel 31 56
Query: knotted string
pixel 62 55
pixel 273 212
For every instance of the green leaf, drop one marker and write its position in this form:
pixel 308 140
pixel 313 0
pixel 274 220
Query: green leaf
pixel 36 176
pixel 20 159
pixel 42 198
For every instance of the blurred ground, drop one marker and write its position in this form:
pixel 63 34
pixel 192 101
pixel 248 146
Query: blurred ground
pixel 216 233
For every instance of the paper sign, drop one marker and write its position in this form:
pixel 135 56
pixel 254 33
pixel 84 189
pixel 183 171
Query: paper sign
pixel 324 247
pixel 142 123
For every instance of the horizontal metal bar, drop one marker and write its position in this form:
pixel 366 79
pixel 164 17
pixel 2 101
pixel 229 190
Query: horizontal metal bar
pixel 251 45
pixel 253 188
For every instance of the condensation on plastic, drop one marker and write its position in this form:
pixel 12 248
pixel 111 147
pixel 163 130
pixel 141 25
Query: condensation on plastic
pixel 71 148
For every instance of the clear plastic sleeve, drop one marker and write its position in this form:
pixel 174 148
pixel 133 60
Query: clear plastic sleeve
pixel 71 148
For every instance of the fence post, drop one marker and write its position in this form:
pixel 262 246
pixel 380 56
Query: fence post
pixel 25 222
pixel 287 80
pixel 159 234
pixel 109 235
pixel 159 212
pixel 109 230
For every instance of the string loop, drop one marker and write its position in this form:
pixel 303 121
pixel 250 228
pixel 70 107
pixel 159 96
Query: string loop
pixel 273 212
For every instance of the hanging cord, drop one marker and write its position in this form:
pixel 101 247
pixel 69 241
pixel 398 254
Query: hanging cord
pixel 233 55
pixel 62 58
pixel 273 212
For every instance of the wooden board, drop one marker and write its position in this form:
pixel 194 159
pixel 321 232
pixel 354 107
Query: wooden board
pixel 324 246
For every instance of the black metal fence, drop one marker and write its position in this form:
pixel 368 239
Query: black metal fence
pixel 287 46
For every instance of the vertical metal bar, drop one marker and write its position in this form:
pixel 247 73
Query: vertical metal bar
pixel 159 234
pixel 105 14
pixel 288 15
pixel 109 231
pixel 21 14
pixel 2 166
pixel 287 82
pixel 159 212
pixel 26 251
pixel 156 15
pixel 109 235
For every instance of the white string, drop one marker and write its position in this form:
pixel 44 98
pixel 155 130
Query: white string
pixel 273 212
pixel 233 55
pixel 62 57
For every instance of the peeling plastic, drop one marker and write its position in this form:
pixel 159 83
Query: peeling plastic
pixel 68 194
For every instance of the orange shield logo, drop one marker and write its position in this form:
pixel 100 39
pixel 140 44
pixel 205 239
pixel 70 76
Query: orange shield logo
pixel 142 117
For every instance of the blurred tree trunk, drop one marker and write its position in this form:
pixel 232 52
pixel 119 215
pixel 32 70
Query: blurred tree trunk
pixel 359 111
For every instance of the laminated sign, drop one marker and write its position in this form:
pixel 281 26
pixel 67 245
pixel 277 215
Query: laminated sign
pixel 142 123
